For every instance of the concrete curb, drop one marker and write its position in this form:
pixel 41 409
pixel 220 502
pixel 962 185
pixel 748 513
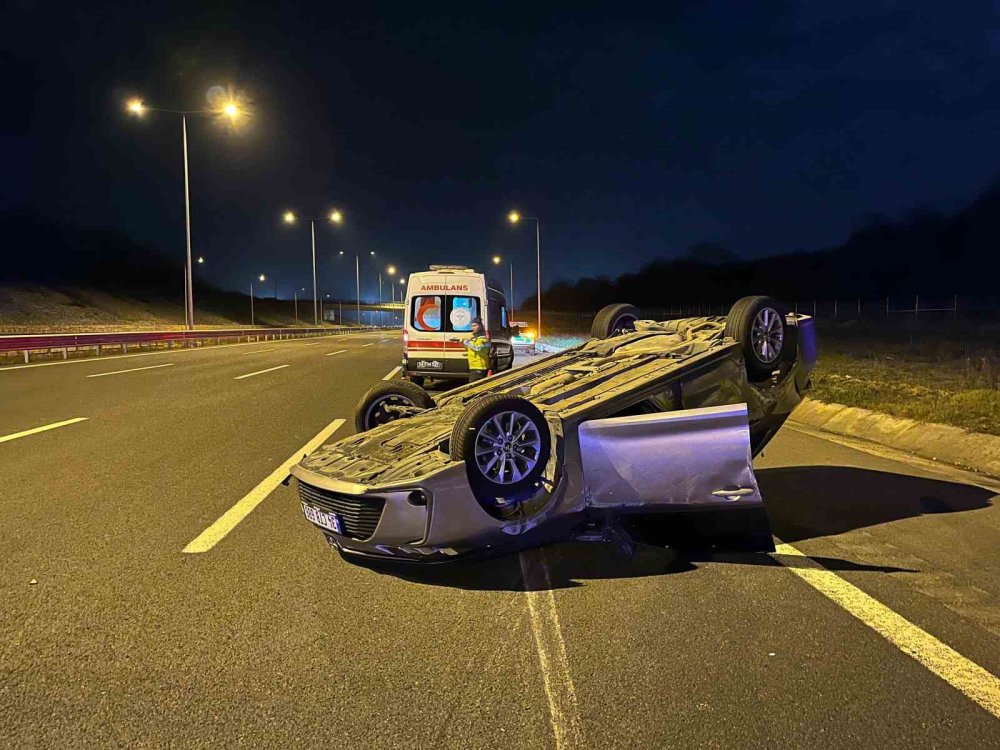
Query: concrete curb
pixel 938 442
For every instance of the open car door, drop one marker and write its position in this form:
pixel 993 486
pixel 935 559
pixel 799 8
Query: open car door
pixel 693 459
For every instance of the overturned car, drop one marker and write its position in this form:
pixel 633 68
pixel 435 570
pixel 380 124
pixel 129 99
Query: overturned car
pixel 646 421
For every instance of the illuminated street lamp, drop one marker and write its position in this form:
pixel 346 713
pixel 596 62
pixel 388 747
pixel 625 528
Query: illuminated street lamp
pixel 334 217
pixel 231 109
pixel 514 217
pixel 497 260
pixel 262 278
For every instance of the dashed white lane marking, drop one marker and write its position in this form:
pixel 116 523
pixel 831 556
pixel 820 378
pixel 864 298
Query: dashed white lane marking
pixel 564 713
pixel 392 373
pixel 43 428
pixel 312 343
pixel 229 520
pixel 259 372
pixel 368 344
pixel 259 351
pixel 134 369
pixel 339 351
pixel 961 673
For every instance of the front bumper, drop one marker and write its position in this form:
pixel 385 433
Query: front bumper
pixel 398 523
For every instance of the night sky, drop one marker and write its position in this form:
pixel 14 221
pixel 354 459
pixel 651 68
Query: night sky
pixel 632 130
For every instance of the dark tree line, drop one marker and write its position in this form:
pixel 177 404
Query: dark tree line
pixel 927 252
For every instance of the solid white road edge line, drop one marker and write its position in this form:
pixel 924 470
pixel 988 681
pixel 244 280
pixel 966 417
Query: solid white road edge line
pixel 229 520
pixel 564 713
pixel 339 351
pixel 259 372
pixel 393 372
pixel 134 369
pixel 43 428
pixel 964 675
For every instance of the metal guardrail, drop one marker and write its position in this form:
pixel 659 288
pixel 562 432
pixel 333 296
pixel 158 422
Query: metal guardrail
pixel 65 342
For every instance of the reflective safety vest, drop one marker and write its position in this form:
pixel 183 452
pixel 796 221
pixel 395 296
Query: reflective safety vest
pixel 478 352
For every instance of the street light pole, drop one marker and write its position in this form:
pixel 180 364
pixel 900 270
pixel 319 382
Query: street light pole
pixel 538 267
pixel 232 110
pixel 335 217
pixel 380 298
pixel 312 229
pixel 514 217
pixel 189 302
pixel 251 303
pixel 512 286
pixel 295 296
pixel 357 281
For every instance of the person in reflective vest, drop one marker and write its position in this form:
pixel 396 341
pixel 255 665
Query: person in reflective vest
pixel 478 351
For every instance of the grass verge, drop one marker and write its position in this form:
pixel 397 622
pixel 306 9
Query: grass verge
pixel 946 374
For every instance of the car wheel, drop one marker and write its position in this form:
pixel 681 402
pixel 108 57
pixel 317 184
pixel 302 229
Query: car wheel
pixel 758 324
pixel 416 380
pixel 613 320
pixel 377 406
pixel 505 444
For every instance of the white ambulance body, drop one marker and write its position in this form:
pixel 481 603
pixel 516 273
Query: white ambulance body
pixel 440 306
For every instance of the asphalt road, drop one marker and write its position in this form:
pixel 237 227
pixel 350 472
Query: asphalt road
pixel 111 635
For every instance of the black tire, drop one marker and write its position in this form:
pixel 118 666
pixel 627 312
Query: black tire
pixel 613 319
pixel 524 454
pixel 370 411
pixel 417 380
pixel 758 324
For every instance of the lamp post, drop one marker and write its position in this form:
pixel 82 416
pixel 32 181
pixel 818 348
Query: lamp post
pixel 334 217
pixel 497 260
pixel 515 217
pixel 357 280
pixel 402 295
pixel 295 295
pixel 261 278
pixel 230 109
pixel 187 284
pixel 391 271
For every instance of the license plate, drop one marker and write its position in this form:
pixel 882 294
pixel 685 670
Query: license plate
pixel 322 518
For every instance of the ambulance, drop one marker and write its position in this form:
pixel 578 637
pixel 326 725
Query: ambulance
pixel 440 306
